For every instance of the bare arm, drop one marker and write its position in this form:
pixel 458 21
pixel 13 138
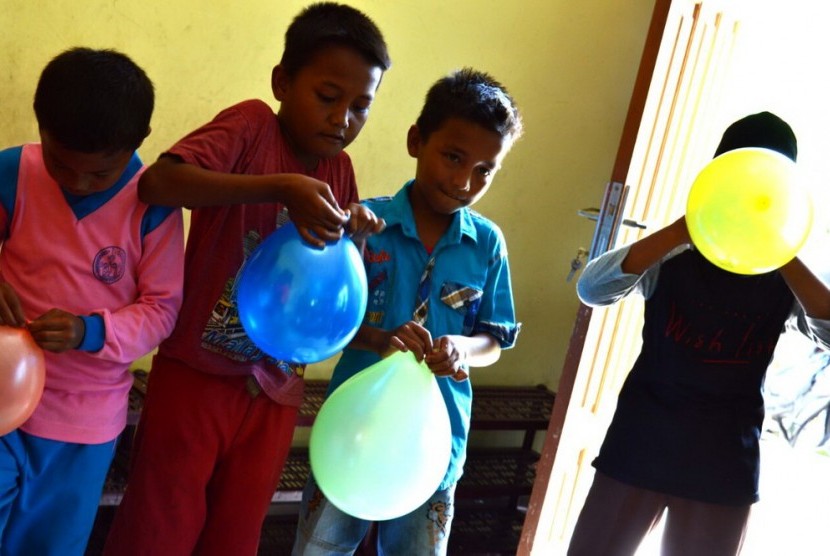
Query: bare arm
pixel 313 208
pixel 11 311
pixel 453 354
pixel 410 336
pixel 446 356
pixel 809 290
pixel 651 249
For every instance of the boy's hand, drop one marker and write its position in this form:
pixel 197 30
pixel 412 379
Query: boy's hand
pixel 314 211
pixel 363 223
pixel 11 312
pixel 57 331
pixel 413 337
pixel 446 359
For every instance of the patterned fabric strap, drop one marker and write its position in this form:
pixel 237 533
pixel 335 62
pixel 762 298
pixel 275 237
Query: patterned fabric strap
pixel 422 302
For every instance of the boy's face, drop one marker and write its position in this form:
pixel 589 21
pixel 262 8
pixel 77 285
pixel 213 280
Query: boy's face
pixel 326 103
pixel 456 164
pixel 82 173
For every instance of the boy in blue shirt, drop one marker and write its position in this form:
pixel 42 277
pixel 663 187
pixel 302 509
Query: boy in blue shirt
pixel 439 286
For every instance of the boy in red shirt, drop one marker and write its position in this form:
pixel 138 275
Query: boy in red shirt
pixel 219 414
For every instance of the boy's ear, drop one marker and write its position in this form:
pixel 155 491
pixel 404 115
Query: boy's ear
pixel 413 141
pixel 279 82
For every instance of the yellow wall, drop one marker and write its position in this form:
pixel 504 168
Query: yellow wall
pixel 570 66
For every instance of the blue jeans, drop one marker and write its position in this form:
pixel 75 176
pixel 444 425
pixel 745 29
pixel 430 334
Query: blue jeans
pixel 324 530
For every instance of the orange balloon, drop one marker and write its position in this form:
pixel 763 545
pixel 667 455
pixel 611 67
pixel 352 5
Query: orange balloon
pixel 22 377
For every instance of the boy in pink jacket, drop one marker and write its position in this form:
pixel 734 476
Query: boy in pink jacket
pixel 95 275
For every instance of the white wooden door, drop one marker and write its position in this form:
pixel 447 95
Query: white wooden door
pixel 667 138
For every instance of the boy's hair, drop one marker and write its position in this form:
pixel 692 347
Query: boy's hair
pixel 94 101
pixel 474 96
pixel 326 24
pixel 764 130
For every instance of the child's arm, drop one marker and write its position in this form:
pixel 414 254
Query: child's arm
pixel 615 274
pixel 643 254
pixel 363 223
pixel 310 202
pixel 57 330
pixel 11 312
pixel 141 326
pixel 137 328
pixel 445 356
pixel 410 336
pixel 451 353
pixel 129 332
pixel 809 290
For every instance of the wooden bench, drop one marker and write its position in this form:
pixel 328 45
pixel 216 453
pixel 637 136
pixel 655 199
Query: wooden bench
pixel 489 497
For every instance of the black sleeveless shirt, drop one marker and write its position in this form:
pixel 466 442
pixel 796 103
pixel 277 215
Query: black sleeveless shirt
pixel 690 412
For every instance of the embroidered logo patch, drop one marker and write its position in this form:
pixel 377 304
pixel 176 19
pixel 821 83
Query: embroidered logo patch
pixel 374 257
pixel 109 264
pixel 374 317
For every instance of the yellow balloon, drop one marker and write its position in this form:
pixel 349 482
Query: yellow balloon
pixel 747 212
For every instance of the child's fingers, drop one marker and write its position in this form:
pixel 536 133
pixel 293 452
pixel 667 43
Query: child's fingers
pixel 396 343
pixel 309 238
pixel 417 339
pixel 11 311
pixel 460 376
pixel 6 315
pixel 318 236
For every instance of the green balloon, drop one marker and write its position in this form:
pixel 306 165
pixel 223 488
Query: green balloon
pixel 381 443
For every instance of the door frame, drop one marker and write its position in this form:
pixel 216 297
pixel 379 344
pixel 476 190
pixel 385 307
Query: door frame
pixel 677 98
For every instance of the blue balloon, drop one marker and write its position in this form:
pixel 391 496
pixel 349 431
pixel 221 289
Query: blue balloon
pixel 300 303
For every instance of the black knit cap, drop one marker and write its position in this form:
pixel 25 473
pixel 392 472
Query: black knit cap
pixel 764 130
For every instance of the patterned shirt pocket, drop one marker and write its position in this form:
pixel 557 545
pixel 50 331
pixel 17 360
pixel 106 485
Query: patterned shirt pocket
pixel 464 299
